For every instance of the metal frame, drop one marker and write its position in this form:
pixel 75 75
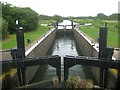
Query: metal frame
pixel 70 61
pixel 54 61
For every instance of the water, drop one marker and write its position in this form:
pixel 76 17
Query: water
pixel 66 22
pixel 64 45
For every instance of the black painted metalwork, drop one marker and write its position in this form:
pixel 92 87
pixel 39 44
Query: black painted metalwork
pixel 106 56
pixel 54 61
pixel 102 45
pixel 64 25
pixel 21 46
pixel 72 24
pixel 70 61
pixel 102 39
pixel 56 24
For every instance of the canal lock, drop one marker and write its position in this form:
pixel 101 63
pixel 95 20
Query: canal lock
pixel 64 44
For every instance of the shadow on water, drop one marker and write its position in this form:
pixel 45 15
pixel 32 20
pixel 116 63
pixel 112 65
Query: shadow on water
pixel 63 45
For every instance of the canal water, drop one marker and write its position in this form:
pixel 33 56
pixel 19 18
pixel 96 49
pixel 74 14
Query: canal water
pixel 64 45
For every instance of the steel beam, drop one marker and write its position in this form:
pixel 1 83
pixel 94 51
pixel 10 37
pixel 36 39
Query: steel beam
pixel 70 61
pixel 54 61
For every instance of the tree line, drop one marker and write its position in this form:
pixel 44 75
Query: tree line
pixel 100 16
pixel 28 19
pixel 54 17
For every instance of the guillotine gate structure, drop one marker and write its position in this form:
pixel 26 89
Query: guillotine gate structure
pixel 104 61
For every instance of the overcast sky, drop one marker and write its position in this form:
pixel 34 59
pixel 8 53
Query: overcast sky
pixel 69 7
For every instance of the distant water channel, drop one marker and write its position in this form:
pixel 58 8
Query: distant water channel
pixel 64 45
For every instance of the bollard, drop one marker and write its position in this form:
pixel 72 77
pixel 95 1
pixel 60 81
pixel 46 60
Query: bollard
pixel 28 41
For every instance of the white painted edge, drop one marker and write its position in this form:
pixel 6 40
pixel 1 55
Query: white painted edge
pixel 38 42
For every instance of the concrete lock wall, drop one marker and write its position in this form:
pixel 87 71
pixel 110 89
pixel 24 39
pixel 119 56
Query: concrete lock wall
pixel 62 32
pixel 39 49
pixel 88 50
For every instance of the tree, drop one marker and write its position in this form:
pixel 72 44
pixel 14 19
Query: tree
pixel 28 18
pixel 4 29
pixel 114 16
pixel 101 16
pixel 58 18
pixel 45 17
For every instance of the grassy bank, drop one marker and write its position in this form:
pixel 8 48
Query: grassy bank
pixel 93 31
pixel 10 42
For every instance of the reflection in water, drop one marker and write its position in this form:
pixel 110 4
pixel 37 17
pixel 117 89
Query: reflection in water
pixel 62 46
pixel 72 44
pixel 57 44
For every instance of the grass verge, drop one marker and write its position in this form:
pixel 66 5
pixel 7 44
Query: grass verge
pixel 93 31
pixel 33 35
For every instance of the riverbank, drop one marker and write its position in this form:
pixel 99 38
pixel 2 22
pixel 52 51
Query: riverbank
pixel 93 30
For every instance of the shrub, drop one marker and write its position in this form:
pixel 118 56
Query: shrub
pixel 4 28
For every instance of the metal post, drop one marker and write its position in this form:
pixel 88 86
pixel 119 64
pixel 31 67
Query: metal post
pixel 15 54
pixel 21 47
pixel 55 61
pixel 57 24
pixel 107 54
pixel 105 24
pixel 102 45
pixel 72 23
pixel 66 70
pixel 102 39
